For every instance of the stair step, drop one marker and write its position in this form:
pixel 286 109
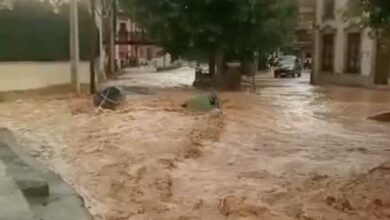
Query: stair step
pixel 33 187
pixel 13 205
pixel 30 182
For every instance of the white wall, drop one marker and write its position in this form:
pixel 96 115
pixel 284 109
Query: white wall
pixel 35 75
pixel 162 61
pixel 367 45
pixel 368 54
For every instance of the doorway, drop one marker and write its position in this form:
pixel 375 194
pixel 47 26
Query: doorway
pixel 382 67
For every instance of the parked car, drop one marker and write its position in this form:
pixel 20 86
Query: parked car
pixel 288 66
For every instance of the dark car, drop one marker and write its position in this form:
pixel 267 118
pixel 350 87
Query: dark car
pixel 288 66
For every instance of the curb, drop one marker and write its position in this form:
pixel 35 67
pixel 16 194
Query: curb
pixel 48 196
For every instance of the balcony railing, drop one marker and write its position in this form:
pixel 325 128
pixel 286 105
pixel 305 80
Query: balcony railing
pixel 135 37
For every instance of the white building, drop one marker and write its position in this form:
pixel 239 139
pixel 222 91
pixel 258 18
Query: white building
pixel 344 51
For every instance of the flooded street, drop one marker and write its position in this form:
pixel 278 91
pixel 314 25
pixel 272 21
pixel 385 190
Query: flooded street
pixel 290 151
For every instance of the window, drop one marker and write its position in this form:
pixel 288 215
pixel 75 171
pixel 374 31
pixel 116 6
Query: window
pixel 303 36
pixel 123 34
pixel 329 6
pixel 353 53
pixel 149 53
pixel 141 52
pixel 122 27
pixel 327 52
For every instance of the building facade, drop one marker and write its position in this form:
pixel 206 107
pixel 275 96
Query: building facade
pixel 304 29
pixel 344 51
pixel 133 44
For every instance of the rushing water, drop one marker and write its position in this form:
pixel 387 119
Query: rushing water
pixel 289 134
pixel 288 151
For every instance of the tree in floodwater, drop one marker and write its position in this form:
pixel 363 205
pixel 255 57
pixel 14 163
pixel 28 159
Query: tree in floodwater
pixel 217 30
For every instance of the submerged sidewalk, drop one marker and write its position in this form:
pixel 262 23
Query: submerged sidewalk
pixel 29 191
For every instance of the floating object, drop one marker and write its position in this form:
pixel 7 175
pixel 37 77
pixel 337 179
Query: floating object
pixel 109 98
pixel 382 117
pixel 203 103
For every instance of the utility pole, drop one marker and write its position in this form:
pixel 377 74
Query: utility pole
pixel 74 45
pixel 111 40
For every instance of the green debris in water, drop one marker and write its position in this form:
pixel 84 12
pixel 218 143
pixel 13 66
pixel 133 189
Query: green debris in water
pixel 202 103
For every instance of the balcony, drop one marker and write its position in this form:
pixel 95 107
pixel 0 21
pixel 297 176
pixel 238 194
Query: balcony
pixel 134 38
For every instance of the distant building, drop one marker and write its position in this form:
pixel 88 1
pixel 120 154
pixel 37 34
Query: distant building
pixel 303 31
pixel 345 52
pixel 134 45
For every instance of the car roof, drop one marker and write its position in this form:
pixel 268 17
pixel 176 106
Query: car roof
pixel 287 57
pixel 287 61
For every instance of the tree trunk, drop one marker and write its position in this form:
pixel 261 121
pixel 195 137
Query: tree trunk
pixel 101 70
pixel 111 39
pixel 244 67
pixel 94 33
pixel 212 63
pixel 219 62
pixel 114 33
pixel 220 68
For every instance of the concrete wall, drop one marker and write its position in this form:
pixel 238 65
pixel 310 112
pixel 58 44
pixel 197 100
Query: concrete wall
pixel 34 75
pixel 368 53
pixel 162 61
pixel 346 79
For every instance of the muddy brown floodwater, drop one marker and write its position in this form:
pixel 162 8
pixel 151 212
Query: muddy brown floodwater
pixel 289 151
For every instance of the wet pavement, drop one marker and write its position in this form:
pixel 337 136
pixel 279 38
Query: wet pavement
pixel 288 151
